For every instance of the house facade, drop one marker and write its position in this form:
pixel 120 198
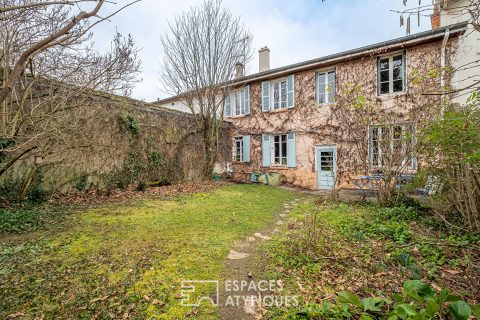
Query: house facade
pixel 298 120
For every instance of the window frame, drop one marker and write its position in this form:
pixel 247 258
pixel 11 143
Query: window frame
pixel 280 94
pixel 283 160
pixel 391 79
pixel 406 126
pixel 233 103
pixel 236 151
pixel 326 73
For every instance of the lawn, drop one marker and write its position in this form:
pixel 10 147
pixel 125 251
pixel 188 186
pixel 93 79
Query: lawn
pixel 128 260
pixel 336 252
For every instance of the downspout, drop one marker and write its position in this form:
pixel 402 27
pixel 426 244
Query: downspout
pixel 442 64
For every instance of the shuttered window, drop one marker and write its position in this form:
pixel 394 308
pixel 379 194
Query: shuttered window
pixel 238 103
pixel 279 150
pixel 241 149
pixel 278 94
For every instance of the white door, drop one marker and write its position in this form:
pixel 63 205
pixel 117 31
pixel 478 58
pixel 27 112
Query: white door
pixel 326 166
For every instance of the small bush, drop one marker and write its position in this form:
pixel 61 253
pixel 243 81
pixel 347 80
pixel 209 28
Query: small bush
pixel 416 301
pixel 37 195
pixel 128 122
pixel 401 213
pixel 142 186
pixel 18 220
pixel 82 183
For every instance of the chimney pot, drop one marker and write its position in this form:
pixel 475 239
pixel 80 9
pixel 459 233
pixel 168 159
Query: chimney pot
pixel 240 70
pixel 263 59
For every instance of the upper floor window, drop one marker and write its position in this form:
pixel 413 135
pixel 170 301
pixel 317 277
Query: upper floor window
pixel 279 93
pixel 391 74
pixel 239 102
pixel 326 87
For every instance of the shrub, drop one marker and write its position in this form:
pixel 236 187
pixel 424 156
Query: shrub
pixel 82 183
pixel 128 122
pixel 401 213
pixel 18 220
pixel 416 301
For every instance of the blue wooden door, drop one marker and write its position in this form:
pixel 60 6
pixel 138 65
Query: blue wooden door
pixel 326 166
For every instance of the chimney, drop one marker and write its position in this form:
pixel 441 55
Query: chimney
pixel 240 70
pixel 263 59
pixel 435 17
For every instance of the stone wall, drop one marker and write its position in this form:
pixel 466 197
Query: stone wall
pixel 316 124
pixel 94 143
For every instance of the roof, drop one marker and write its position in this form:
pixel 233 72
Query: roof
pixel 394 44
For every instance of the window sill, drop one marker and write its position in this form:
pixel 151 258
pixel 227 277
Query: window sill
pixel 279 110
pixel 240 162
pixel 240 116
pixel 328 104
pixel 278 167
pixel 388 96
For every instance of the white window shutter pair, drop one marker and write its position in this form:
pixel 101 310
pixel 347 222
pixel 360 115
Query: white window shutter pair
pixel 266 105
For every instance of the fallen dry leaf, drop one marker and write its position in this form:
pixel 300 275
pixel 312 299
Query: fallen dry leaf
pixel 99 299
pixel 16 315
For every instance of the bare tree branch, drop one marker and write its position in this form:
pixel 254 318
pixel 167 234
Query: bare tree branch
pixel 200 55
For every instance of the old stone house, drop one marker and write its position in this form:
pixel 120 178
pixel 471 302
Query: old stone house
pixel 286 120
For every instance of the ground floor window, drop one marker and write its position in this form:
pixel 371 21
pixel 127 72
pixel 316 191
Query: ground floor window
pixel 238 156
pixel 280 149
pixel 392 145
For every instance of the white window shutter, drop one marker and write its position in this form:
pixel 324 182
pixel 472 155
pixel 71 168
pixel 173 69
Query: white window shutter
pixel 265 96
pixel 291 91
pixel 291 150
pixel 247 99
pixel 228 106
pixel 266 150
pixel 246 148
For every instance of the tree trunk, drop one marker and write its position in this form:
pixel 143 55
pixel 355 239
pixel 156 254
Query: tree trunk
pixel 210 156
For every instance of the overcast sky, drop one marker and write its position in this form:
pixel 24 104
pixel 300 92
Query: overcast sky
pixel 294 30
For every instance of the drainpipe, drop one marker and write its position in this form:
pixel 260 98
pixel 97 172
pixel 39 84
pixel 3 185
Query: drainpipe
pixel 442 64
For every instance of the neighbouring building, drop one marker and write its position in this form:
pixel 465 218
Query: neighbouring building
pixel 467 57
pixel 286 120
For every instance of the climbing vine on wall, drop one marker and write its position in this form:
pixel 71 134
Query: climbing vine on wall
pixel 128 123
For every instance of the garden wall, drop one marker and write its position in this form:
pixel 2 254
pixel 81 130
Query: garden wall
pixel 110 141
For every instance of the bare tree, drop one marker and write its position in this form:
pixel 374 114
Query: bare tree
pixel 59 27
pixel 200 55
pixel 47 73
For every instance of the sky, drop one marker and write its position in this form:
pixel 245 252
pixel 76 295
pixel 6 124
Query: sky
pixel 294 30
